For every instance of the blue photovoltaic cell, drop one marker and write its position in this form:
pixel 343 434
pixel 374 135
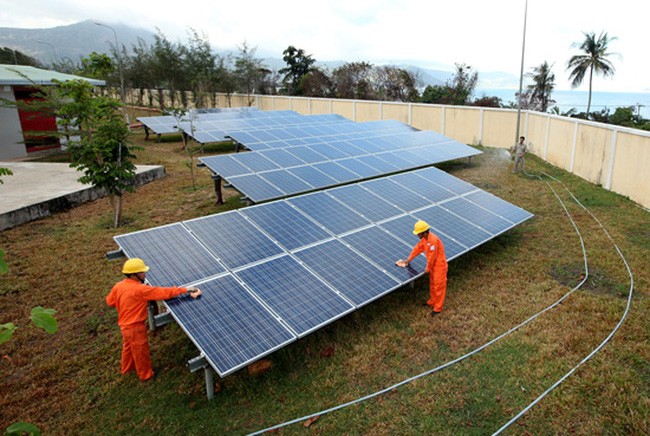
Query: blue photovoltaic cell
pixel 312 176
pixel 384 250
pixel 225 165
pixel 286 182
pixel 255 187
pixel 364 202
pixel 360 281
pixel 172 254
pixel 329 212
pixel 454 226
pixel 366 145
pixel 229 325
pixel 347 148
pixel 232 239
pixel 302 300
pixel 285 224
pixel 330 152
pixel 256 162
pixel 358 167
pixel 282 158
pixel 423 186
pixel 394 158
pixel 396 194
pixel 448 181
pixel 383 166
pixel 336 171
pixel 306 154
pixel 402 228
pixel 500 207
pixel 415 158
pixel 477 216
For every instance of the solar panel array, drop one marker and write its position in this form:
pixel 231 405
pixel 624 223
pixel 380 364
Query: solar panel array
pixel 279 172
pixel 281 137
pixel 217 130
pixel 169 124
pixel 274 272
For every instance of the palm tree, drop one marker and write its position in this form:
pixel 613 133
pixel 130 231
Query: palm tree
pixel 593 60
pixel 540 91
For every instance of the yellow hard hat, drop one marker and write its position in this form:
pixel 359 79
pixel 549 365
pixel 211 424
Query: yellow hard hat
pixel 420 226
pixel 134 266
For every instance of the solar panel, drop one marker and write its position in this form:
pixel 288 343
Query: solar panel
pixel 232 239
pixel 331 214
pixel 453 226
pixel 300 298
pixel 345 270
pixel 274 218
pixel 172 253
pixel 229 325
pixel 365 202
pixel 381 248
pixel 276 271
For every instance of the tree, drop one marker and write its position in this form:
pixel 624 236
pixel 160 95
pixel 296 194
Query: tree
pixel 97 66
pixel 14 57
pixel 540 91
pixel 594 60
pixel 248 70
pixel 317 83
pixel 352 80
pixel 462 84
pixel 97 138
pixel 298 64
pixel 395 84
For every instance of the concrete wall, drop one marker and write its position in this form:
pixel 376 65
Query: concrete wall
pixel 11 134
pixel 614 157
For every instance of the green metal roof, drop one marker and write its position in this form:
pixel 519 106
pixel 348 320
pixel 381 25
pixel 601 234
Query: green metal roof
pixel 26 75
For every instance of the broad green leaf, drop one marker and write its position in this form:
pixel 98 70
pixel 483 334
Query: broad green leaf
pixel 19 428
pixel 6 332
pixel 43 318
pixel 3 264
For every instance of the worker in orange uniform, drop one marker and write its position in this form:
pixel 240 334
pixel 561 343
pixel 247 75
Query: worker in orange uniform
pixel 130 297
pixel 434 250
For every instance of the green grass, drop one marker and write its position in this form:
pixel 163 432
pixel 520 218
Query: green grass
pixel 69 382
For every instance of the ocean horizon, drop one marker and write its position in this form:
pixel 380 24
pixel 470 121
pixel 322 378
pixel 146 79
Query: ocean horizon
pixel 567 99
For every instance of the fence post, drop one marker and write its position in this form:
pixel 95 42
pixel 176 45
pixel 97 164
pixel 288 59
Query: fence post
pixel 573 147
pixel 610 171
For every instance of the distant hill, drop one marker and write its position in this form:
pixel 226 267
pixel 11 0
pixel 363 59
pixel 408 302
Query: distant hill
pixel 80 39
pixel 71 42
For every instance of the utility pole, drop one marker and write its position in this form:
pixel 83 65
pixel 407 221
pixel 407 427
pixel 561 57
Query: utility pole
pixel 121 73
pixel 521 73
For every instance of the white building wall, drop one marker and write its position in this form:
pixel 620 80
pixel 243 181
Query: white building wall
pixel 11 135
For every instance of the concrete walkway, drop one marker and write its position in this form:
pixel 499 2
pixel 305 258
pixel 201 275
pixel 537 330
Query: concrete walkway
pixel 38 189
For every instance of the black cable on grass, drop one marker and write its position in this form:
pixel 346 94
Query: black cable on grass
pixel 457 360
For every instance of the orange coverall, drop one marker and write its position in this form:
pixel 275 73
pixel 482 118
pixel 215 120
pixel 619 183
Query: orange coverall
pixel 130 298
pixel 433 249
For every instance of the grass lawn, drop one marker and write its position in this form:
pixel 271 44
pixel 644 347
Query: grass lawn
pixel 69 383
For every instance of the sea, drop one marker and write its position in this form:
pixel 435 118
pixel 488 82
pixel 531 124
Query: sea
pixel 566 100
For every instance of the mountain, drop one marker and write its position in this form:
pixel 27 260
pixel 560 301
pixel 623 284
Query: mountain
pixel 80 39
pixel 71 42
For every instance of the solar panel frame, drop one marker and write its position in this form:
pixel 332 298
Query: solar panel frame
pixel 235 327
pixel 302 299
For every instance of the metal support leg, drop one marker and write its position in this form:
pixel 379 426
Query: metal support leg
pixel 217 188
pixel 209 382
pixel 152 311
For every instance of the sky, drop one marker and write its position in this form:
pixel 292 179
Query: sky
pixel 485 34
